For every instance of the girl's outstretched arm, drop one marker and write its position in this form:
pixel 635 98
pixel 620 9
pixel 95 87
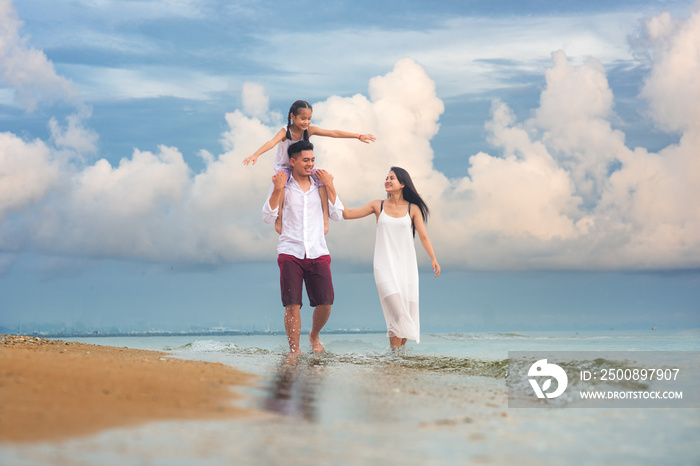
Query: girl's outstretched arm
pixel 281 134
pixel 372 207
pixel 417 218
pixel 336 133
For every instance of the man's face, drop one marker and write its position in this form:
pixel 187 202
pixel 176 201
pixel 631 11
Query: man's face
pixel 304 164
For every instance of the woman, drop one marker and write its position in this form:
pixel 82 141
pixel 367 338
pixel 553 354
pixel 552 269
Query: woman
pixel 399 217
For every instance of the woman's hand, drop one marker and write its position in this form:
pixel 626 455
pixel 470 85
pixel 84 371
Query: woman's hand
pixel 436 268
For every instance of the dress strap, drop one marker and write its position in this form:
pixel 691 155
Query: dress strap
pixel 381 207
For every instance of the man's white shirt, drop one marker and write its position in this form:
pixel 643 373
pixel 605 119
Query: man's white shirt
pixel 302 220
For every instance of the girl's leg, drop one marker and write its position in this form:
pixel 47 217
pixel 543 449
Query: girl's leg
pixel 323 192
pixel 278 221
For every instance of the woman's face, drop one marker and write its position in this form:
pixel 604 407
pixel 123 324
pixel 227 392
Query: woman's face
pixel 391 184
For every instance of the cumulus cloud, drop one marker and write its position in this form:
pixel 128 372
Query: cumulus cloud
pixel 255 100
pixel 74 137
pixel 560 190
pixel 673 87
pixel 28 172
pixel 26 69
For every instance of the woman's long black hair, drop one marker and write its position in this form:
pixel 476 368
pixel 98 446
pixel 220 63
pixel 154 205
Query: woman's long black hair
pixel 411 194
pixel 294 110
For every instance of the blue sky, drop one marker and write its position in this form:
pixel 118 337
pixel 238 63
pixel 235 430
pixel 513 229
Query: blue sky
pixel 555 142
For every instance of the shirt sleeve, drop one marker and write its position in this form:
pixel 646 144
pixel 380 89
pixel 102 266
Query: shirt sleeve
pixel 269 215
pixel 335 211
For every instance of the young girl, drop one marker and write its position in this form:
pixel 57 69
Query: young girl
pixel 399 217
pixel 298 128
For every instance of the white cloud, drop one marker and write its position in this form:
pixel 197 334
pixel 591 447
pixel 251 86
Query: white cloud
pixel 98 83
pixel 463 55
pixel 75 137
pixel 673 87
pixel 28 171
pixel 563 191
pixel 129 211
pixel 140 11
pixel 255 99
pixel 26 69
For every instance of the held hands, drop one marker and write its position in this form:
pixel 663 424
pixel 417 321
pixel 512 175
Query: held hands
pixel 367 138
pixel 250 160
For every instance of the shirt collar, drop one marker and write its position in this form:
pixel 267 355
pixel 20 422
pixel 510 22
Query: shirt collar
pixel 294 181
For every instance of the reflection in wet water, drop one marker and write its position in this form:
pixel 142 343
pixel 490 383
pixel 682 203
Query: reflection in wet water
pixel 294 389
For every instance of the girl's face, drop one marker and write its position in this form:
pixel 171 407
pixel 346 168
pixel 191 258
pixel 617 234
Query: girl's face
pixel 302 120
pixel 391 184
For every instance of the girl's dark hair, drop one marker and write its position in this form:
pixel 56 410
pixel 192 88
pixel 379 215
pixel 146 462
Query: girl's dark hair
pixel 410 193
pixel 294 110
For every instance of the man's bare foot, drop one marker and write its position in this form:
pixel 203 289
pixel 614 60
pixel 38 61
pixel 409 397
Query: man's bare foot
pixel 292 359
pixel 316 345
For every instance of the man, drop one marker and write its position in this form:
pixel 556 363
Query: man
pixel 302 252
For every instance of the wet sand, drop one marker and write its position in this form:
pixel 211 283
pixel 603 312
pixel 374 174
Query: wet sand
pixel 52 390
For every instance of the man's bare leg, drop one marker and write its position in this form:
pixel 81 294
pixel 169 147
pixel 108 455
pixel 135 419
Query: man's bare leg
pixel 292 325
pixel 321 315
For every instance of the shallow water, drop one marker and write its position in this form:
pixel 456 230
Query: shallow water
pixel 441 402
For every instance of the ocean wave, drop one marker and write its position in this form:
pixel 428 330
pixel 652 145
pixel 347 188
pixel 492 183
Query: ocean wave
pixel 427 363
pixel 214 346
pixel 477 336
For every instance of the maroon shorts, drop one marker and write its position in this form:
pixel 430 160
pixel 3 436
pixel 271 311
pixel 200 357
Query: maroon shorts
pixel 316 273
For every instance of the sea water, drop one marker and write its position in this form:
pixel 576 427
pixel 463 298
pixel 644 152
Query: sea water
pixel 439 352
pixel 443 401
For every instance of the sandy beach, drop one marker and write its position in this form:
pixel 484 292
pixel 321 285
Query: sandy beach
pixel 52 390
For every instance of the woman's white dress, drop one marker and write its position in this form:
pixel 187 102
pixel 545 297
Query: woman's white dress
pixel 396 276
